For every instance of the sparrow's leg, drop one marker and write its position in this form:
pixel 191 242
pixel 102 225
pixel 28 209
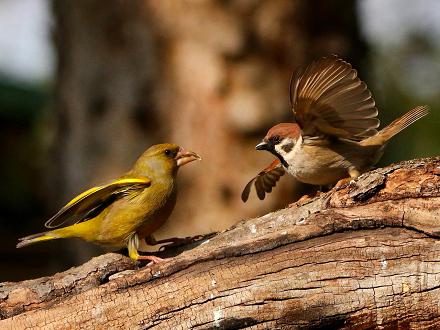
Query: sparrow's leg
pixel 354 173
pixel 133 244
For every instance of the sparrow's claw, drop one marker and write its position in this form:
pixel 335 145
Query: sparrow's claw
pixel 305 198
pixel 343 183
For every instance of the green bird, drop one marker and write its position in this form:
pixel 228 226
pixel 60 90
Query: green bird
pixel 125 211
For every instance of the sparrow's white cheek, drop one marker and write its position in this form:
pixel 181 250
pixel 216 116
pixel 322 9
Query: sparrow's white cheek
pixel 285 147
pixel 290 151
pixel 279 150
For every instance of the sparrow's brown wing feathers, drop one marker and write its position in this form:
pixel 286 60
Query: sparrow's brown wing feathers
pixel 328 98
pixel 264 181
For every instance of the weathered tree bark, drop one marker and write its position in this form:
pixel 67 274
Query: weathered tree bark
pixel 364 256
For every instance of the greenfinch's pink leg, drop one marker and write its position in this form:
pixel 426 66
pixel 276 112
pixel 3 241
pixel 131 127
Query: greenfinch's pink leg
pixel 153 259
pixel 133 243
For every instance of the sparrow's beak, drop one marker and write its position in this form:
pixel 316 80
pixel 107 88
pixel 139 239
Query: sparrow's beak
pixel 184 157
pixel 262 146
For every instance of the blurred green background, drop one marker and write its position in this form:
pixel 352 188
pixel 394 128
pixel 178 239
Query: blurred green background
pixel 86 86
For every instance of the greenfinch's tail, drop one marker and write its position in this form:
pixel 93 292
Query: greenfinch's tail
pixel 31 239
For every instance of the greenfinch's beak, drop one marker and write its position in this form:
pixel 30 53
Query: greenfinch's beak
pixel 184 157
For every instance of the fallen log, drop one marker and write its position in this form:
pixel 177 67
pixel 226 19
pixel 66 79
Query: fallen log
pixel 364 256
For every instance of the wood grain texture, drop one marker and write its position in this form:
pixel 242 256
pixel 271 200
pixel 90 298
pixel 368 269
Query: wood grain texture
pixel 365 256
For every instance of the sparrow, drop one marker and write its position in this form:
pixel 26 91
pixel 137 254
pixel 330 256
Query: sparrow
pixel 124 211
pixel 334 134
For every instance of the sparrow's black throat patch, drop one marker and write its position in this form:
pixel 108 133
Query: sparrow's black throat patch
pixel 281 158
pixel 270 146
pixel 276 154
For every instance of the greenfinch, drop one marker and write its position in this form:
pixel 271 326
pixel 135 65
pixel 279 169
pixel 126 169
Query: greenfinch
pixel 125 211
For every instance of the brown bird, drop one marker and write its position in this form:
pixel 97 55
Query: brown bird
pixel 334 135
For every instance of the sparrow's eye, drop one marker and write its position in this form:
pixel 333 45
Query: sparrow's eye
pixel 276 139
pixel 168 152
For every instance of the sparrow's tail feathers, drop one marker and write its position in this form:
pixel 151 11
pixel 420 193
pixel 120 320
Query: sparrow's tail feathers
pixel 396 126
pixel 40 237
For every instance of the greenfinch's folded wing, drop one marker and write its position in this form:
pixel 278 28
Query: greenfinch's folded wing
pixel 91 202
pixel 264 181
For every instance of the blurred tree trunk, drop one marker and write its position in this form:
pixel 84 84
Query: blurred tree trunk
pixel 106 66
pixel 209 75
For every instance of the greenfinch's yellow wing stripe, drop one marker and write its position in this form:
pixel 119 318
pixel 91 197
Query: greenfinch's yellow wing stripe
pixel 82 195
pixel 80 207
pixel 114 183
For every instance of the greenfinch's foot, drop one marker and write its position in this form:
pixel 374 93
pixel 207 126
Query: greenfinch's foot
pixel 150 240
pixel 153 259
pixel 178 241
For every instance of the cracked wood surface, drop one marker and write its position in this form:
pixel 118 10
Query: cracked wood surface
pixel 364 256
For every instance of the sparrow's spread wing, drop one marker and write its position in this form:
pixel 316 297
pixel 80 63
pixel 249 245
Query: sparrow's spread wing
pixel 91 202
pixel 328 98
pixel 264 181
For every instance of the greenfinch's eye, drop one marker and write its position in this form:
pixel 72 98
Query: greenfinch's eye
pixel 168 152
